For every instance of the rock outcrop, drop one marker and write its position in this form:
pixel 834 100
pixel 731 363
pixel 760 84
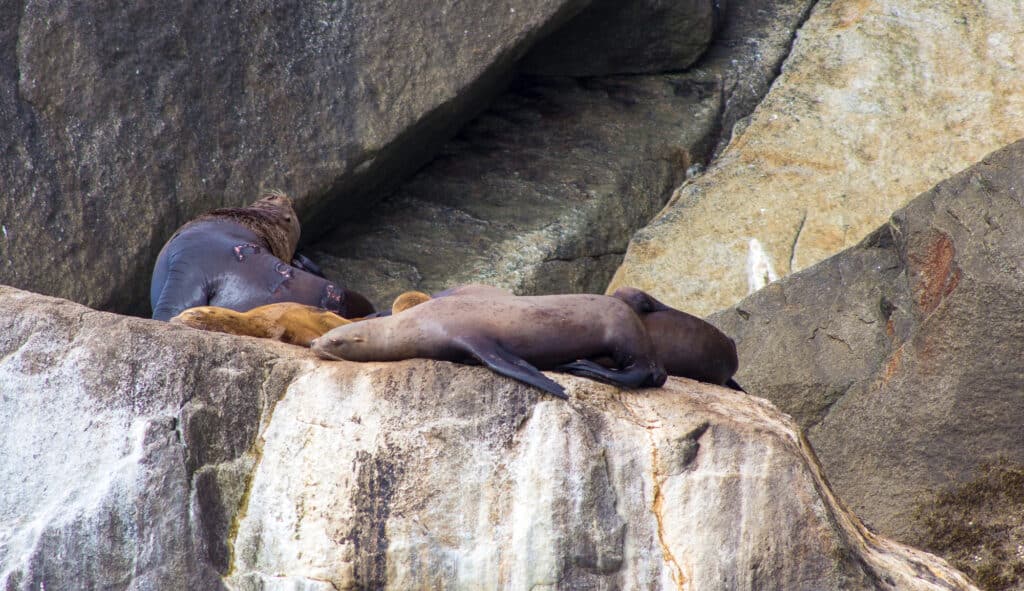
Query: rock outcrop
pixel 877 102
pixel 141 455
pixel 542 192
pixel 125 122
pixel 903 361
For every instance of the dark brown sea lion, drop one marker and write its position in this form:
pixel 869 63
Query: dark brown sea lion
pixel 296 324
pixel 684 344
pixel 512 335
pixel 235 258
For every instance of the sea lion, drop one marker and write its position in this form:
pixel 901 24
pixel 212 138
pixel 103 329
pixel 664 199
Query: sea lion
pixel 408 300
pixel 684 344
pixel 512 335
pixel 296 324
pixel 234 258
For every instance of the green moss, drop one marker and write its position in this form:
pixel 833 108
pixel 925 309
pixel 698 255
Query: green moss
pixel 979 526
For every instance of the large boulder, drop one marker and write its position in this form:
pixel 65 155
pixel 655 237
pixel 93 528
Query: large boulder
pixel 542 192
pixel 876 103
pixel 124 121
pixel 902 359
pixel 539 194
pixel 141 455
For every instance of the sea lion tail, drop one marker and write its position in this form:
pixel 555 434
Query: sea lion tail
pixel 731 383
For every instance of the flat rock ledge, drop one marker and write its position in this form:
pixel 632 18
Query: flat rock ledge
pixel 139 455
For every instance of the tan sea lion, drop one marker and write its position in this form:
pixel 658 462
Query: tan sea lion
pixel 512 335
pixel 235 258
pixel 297 324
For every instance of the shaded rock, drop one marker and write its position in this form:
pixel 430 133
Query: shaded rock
pixel 902 354
pixel 876 103
pixel 635 37
pixel 125 122
pixel 541 193
pixel 138 454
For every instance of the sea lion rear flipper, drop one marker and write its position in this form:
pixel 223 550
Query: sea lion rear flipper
pixel 731 383
pixel 633 377
pixel 501 361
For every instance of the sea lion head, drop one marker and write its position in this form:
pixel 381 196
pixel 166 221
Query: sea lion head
pixel 272 217
pixel 205 317
pixel 408 300
pixel 352 342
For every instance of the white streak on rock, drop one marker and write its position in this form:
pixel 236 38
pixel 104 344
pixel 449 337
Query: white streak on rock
pixel 759 266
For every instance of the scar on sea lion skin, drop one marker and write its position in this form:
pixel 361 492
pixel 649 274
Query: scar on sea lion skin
pixel 516 336
pixel 296 324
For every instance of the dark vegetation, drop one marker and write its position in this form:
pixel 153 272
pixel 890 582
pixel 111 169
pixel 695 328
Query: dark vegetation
pixel 979 526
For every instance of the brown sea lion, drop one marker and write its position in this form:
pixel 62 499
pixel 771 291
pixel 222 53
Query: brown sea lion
pixel 512 335
pixel 235 258
pixel 684 344
pixel 296 324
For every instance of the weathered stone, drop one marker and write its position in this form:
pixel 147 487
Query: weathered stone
pixel 902 355
pixel 634 37
pixel 541 193
pixel 107 426
pixel 876 103
pixel 141 455
pixel 437 477
pixel 124 121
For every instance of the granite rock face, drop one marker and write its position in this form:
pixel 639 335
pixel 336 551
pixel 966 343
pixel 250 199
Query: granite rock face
pixel 903 358
pixel 542 192
pixel 125 122
pixel 141 455
pixel 876 103
pixel 635 37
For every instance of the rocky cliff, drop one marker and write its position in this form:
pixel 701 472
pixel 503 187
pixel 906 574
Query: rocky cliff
pixel 150 456
pixel 903 362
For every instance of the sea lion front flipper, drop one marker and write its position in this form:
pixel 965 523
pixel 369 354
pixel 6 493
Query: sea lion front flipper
pixel 301 261
pixel 501 361
pixel 633 377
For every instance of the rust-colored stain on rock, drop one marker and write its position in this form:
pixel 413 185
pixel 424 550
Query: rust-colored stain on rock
pixel 934 271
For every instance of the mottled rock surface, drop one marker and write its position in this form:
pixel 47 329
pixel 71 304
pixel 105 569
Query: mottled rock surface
pixel 539 194
pixel 876 103
pixel 126 121
pixel 542 192
pixel 141 455
pixel 902 358
pixel 635 37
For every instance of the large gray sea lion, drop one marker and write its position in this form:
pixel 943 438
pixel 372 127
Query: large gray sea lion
pixel 235 258
pixel 515 336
